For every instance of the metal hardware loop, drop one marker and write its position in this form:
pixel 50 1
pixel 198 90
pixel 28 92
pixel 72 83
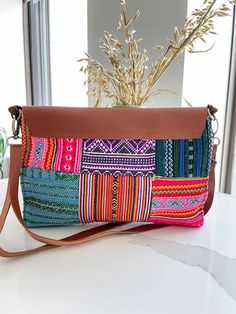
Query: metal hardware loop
pixel 15 138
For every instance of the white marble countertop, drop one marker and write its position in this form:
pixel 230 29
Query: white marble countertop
pixel 170 270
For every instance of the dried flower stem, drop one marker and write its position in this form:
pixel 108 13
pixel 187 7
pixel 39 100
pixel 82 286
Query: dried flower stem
pixel 174 52
pixel 130 82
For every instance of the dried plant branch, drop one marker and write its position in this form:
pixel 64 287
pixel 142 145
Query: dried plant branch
pixel 131 82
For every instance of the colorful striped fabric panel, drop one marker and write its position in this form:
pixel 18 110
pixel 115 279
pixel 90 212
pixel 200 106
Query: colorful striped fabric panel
pixel 185 158
pixel 109 198
pixel 95 198
pixel 119 157
pixel 50 198
pixel 133 198
pixel 178 201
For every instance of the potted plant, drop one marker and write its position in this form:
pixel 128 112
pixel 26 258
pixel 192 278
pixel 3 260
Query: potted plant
pixel 3 148
pixel 131 80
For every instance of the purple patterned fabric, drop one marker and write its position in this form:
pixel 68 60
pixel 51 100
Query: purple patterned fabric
pixel 119 157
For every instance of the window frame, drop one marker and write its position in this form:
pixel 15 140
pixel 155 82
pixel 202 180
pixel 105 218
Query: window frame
pixel 37 52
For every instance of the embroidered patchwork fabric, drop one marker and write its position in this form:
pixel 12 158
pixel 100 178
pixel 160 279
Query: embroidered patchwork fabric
pixel 51 153
pixel 185 158
pixel 50 197
pixel 73 180
pixel 178 201
pixel 119 157
pixel 110 198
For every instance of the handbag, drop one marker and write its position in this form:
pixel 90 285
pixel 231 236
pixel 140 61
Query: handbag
pixel 113 165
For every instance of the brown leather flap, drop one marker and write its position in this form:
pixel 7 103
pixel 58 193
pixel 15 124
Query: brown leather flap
pixel 116 123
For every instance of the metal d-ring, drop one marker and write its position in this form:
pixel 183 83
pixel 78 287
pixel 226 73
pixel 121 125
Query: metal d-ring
pixel 16 124
pixel 17 137
pixel 217 126
pixel 214 119
pixel 217 141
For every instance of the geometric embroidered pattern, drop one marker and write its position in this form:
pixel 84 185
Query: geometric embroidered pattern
pixel 178 201
pixel 119 157
pixel 51 153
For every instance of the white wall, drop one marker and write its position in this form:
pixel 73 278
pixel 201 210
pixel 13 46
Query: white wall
pixel 68 41
pixel 206 74
pixel 12 73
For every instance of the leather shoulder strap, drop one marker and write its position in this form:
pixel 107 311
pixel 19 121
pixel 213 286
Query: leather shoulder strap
pixel 78 238
pixel 211 182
